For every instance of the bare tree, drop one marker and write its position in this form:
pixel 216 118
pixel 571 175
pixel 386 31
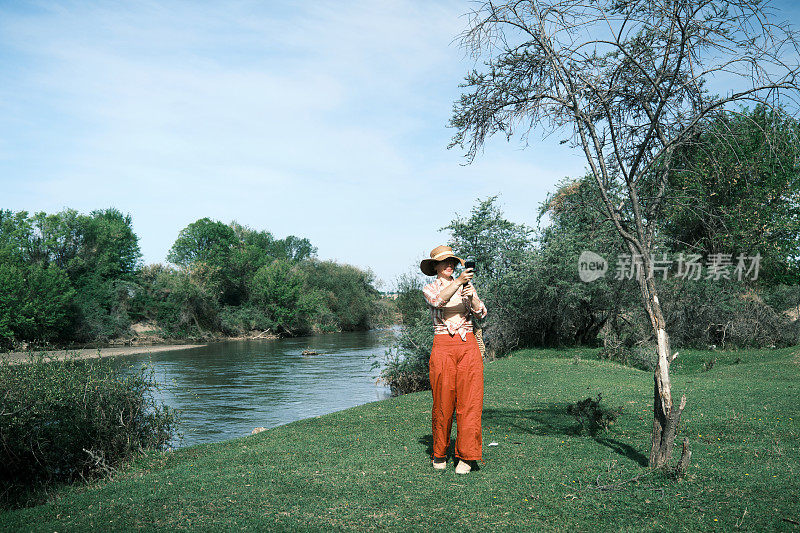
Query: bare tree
pixel 626 82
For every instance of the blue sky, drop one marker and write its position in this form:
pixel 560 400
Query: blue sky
pixel 325 120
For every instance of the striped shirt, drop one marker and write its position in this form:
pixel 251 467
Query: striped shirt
pixel 460 323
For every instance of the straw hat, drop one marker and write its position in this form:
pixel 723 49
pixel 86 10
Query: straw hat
pixel 440 253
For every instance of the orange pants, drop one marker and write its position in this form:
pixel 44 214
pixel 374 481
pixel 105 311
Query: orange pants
pixel 456 372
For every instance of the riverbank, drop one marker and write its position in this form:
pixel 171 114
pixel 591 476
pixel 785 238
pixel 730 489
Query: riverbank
pixel 368 468
pixel 140 345
pixel 93 353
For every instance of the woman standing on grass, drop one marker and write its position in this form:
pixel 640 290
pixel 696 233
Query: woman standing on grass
pixel 456 365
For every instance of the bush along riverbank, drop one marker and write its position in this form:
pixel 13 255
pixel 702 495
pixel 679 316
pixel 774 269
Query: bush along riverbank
pixel 369 467
pixel 62 420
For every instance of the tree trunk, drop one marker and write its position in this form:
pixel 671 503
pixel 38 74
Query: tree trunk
pixel 666 416
pixel 686 458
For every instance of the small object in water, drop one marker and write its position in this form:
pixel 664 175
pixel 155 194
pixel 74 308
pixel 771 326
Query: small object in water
pixel 310 352
pixel 493 444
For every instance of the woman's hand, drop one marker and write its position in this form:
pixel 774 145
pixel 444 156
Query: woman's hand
pixel 466 276
pixel 468 291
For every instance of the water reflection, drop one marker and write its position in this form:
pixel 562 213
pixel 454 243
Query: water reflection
pixel 224 390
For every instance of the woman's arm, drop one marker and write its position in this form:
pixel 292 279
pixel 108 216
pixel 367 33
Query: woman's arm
pixel 476 304
pixel 449 291
pixel 440 298
pixel 436 298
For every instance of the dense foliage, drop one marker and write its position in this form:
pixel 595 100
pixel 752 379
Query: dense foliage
pixel 73 278
pixel 70 419
pixel 494 243
pixel 65 277
pixel 404 366
pixel 34 301
pixel 410 301
pixel 735 191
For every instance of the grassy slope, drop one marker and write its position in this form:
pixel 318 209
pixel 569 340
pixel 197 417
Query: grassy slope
pixel 368 467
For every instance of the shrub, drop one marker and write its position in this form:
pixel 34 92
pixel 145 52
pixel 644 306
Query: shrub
pixel 410 300
pixel 65 420
pixel 543 303
pixel 592 415
pixel 628 341
pixel 384 313
pixel 705 313
pixel 643 356
pixel 784 298
pixel 402 374
pixel 102 310
pixel 183 302
pixel 405 365
pixel 728 314
pixel 342 291
pixel 239 321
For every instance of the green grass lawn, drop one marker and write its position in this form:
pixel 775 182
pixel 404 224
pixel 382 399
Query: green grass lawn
pixel 369 467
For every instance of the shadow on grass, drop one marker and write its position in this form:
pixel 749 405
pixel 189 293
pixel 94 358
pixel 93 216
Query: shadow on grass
pixel 427 441
pixel 545 420
pixel 553 420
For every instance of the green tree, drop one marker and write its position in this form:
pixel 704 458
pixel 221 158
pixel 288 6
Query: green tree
pixel 253 250
pixel 280 289
pixel 626 80
pixel 537 298
pixel 348 295
pixel 110 246
pixel 58 238
pixel 487 237
pixel 295 248
pixel 101 252
pixel 36 303
pixel 736 189
pixel 235 253
pixel 182 301
pixel 568 310
pixel 101 245
pixel 213 244
pixel 206 241
pixel 99 255
pixel 256 249
pixel 16 233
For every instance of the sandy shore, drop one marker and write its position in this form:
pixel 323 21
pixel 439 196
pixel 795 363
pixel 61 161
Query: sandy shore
pixel 88 353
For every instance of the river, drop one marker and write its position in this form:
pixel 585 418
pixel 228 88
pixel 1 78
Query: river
pixel 226 389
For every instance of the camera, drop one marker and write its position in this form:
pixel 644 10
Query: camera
pixel 469 264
